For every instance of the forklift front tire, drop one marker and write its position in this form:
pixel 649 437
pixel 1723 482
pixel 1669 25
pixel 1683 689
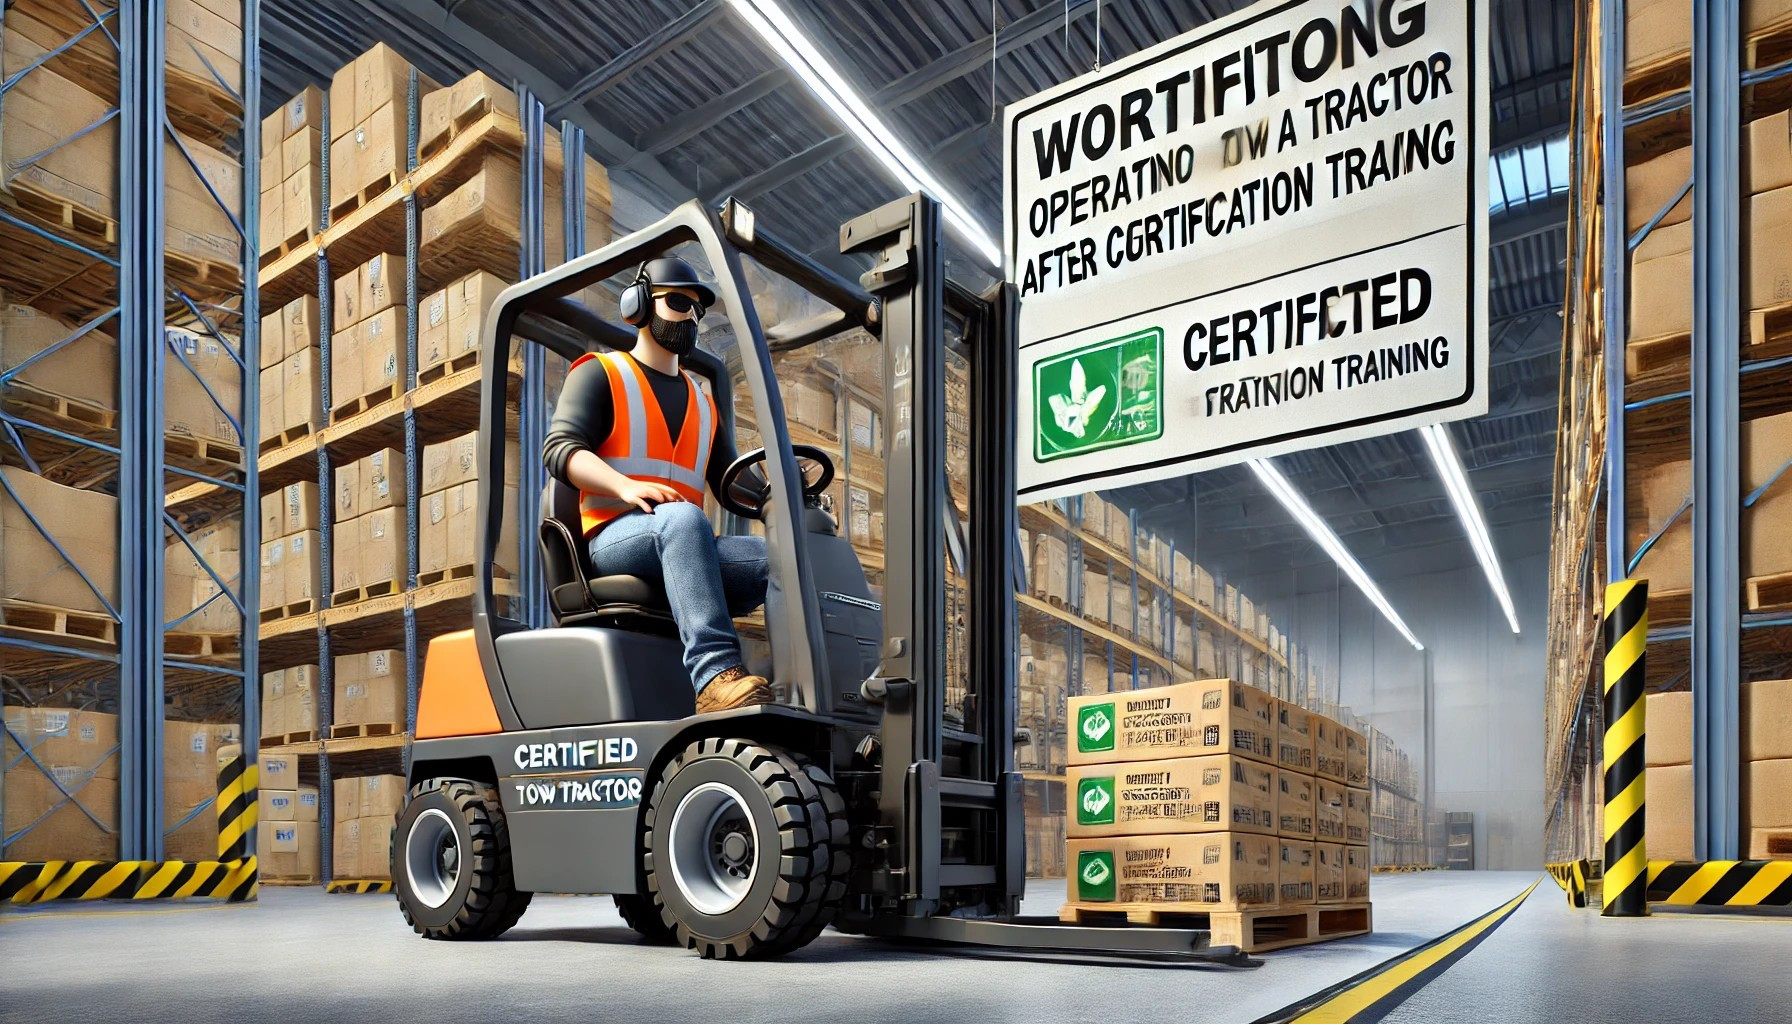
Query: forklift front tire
pixel 451 867
pixel 642 917
pixel 738 853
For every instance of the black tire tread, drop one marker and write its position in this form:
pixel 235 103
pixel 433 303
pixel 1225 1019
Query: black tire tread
pixel 640 914
pixel 493 904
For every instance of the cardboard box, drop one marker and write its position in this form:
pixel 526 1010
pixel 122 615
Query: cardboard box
pixel 1295 872
pixel 1768 148
pixel 302 150
pixel 43 822
pixel 290 850
pixel 345 860
pixel 273 404
pixel 1331 750
pixel 196 409
pixel 345 300
pixel 86 741
pixel 305 110
pixel 1356 816
pixel 1218 870
pixel 301 204
pixel 1295 806
pixel 345 367
pixel 370 689
pixel 273 575
pixel 382 796
pixel 302 324
pixel 1329 873
pixel 278 805
pixel 1051 568
pixel 1356 873
pixel 383 357
pixel 205 41
pixel 46 113
pixel 460 104
pixel 812 406
pixel 1329 798
pixel 1095 597
pixel 1668 821
pixel 345 554
pixel 1667 735
pixel 1769 280
pixel 1188 719
pixel 306 807
pixel 1766 720
pixel 381 548
pixel 382 481
pixel 432 330
pixel 382 77
pixel 1356 758
pixel 1220 793
pixel 273 513
pixel 1765 457
pixel 380 283
pixel 486 209
pixel 1656 31
pixel 1766 795
pixel 469 300
pixel 271 217
pixel 84 523
pixel 273 705
pixel 301 568
pixel 278 771
pixel 463 502
pixel 373 856
pixel 301 391
pixel 272 340
pixel 1661 284
pixel 301 699
pixel 299 507
pixel 432 532
pixel 348 492
pixel 190 750
pixel 1294 737
pixel 345 803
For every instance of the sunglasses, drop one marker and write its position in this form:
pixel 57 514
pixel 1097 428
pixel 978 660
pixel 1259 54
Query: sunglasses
pixel 679 302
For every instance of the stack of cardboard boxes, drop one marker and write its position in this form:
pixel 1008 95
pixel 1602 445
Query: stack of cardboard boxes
pixel 202 387
pixel 292 172
pixel 369 691
pixel 1202 795
pixel 289 704
pixel 368 351
pixel 61 785
pixel 448 509
pixel 291 373
pixel 288 842
pixel 366 809
pixel 290 583
pixel 84 371
pixel 451 326
pixel 368 555
pixel 193 599
pixel 369 126
pixel 192 752
pixel 1766 772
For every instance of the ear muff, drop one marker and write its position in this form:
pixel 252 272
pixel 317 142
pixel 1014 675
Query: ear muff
pixel 636 304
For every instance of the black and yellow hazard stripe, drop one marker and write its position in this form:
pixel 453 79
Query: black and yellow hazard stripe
pixel 1626 859
pixel 1572 877
pixel 1721 883
pixel 237 807
pixel 361 886
pixel 1369 996
pixel 60 881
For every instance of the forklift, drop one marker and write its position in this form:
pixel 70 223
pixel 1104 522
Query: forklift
pixel 570 760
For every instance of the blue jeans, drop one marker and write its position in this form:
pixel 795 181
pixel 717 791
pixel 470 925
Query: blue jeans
pixel 708 580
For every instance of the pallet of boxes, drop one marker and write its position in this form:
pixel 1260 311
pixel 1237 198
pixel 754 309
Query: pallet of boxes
pixel 288 841
pixel 365 813
pixel 1197 805
pixel 1766 734
pixel 368 554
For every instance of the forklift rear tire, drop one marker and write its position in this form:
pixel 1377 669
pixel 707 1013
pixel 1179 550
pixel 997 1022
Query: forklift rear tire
pixel 739 850
pixel 451 866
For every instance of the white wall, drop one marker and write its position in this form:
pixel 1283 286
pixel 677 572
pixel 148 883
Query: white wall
pixel 1488 715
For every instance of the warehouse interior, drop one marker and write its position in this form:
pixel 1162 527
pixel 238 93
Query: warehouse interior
pixel 222 575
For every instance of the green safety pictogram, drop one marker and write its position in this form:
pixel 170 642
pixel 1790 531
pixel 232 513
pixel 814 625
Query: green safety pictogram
pixel 1095 801
pixel 1095 728
pixel 1095 876
pixel 1101 396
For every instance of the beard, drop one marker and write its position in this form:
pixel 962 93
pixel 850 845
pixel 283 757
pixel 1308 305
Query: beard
pixel 675 336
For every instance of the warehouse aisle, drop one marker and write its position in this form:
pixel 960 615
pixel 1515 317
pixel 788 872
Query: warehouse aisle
pixel 1550 963
pixel 571 958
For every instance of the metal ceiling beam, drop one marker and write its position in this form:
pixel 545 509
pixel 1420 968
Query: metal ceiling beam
pixel 1541 217
pixel 787 170
pixel 973 55
pixel 646 49
pixel 688 125
pixel 653 181
pixel 1534 83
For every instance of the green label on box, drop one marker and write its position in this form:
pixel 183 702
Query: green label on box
pixel 1095 801
pixel 1101 396
pixel 1095 728
pixel 1095 876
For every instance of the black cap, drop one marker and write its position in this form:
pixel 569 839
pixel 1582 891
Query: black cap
pixel 672 272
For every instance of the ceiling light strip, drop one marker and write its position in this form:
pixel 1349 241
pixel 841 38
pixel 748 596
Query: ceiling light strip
pixel 1468 509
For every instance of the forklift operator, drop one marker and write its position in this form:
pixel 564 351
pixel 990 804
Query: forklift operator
pixel 636 436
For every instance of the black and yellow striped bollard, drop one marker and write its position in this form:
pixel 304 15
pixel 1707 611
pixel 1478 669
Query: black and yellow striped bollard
pixel 1626 859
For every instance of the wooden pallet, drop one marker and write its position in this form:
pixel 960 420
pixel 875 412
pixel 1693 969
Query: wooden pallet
pixel 354 595
pixel 462 123
pixel 1770 593
pixel 362 403
pixel 291 435
pixel 62 215
pixel 57 410
pixel 203 277
pixel 365 196
pixel 291 610
pixel 1656 79
pixel 351 730
pixel 28 620
pixel 453 572
pixel 202 453
pixel 1766 326
pixel 203 645
pixel 290 880
pixel 447 368
pixel 297 240
pixel 289 738
pixel 1253 931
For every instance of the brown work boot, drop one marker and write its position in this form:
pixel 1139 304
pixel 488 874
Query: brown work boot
pixel 733 688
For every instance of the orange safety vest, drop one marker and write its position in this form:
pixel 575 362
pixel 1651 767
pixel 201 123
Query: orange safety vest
pixel 641 446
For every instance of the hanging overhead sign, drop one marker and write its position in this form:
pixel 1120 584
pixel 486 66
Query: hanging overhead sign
pixel 1265 235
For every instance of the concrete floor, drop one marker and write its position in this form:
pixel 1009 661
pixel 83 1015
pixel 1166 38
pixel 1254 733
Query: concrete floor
pixel 303 956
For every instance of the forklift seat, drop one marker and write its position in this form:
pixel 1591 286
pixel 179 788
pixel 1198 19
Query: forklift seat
pixel 576 594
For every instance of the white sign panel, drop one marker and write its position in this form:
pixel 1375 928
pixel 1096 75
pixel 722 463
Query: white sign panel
pixel 1265 235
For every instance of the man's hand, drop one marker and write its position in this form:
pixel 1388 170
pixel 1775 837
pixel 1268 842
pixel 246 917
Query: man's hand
pixel 644 495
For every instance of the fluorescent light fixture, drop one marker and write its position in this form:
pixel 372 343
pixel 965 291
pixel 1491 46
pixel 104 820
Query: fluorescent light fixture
pixel 794 48
pixel 1322 535
pixel 1468 508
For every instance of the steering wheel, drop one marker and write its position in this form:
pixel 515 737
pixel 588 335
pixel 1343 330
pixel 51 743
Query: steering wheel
pixel 744 489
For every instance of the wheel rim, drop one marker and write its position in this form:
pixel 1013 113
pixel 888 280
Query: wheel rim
pixel 432 857
pixel 714 848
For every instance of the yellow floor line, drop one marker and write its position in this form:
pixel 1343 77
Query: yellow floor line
pixel 1347 1004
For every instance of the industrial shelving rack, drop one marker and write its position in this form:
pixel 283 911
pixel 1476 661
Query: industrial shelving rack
pixel 112 272
pixel 435 411
pixel 1611 427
